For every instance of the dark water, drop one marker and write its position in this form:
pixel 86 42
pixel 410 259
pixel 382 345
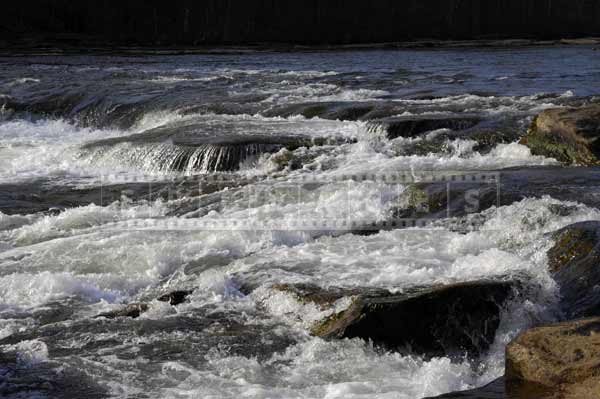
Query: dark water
pixel 125 178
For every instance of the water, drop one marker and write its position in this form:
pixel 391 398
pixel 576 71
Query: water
pixel 95 213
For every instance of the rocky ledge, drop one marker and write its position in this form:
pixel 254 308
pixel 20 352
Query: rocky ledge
pixel 569 135
pixel 449 319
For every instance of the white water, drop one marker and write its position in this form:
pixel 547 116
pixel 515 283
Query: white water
pixel 117 268
pixel 92 256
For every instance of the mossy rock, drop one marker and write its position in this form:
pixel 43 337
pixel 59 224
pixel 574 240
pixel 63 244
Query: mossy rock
pixel 569 135
pixel 573 244
pixel 574 261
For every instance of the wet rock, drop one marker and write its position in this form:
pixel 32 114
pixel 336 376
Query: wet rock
pixel 450 196
pixel 200 146
pixel 575 263
pixel 409 127
pixel 573 244
pixel 437 200
pixel 564 357
pixel 487 138
pixel 7 106
pixel 569 135
pixel 336 110
pixel 176 297
pixel 133 311
pixel 499 390
pixel 494 390
pixel 442 320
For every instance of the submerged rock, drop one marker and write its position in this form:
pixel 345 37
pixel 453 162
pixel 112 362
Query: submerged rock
pixel 564 357
pixel 441 320
pixel 409 127
pixel 569 135
pixel 176 297
pixel 574 261
pixel 335 110
pixel 133 311
pixel 494 390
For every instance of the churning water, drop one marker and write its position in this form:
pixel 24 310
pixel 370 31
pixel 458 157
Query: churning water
pixel 125 178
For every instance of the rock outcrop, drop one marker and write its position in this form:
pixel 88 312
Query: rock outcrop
pixel 443 320
pixel 569 135
pixel 562 361
pixel 574 261
pixel 564 357
pixel 197 147
pixel 186 22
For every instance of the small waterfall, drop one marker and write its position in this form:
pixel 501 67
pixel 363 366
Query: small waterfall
pixel 162 157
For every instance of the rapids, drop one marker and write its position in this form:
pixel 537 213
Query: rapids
pixel 123 178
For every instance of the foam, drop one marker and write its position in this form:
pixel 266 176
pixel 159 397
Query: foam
pixel 109 256
pixel 43 147
pixel 319 92
pixel 507 244
pixel 30 353
pixel 321 369
pixel 23 290
pixel 21 81
pixel 374 158
pixel 74 221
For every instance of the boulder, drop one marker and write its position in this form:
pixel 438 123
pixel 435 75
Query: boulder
pixel 566 134
pixel 442 320
pixel 564 357
pixel 574 261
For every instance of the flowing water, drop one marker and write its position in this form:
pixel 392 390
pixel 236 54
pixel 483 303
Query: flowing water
pixel 125 178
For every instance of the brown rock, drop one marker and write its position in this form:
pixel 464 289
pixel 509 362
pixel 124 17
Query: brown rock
pixel 565 357
pixel 440 320
pixel 569 135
